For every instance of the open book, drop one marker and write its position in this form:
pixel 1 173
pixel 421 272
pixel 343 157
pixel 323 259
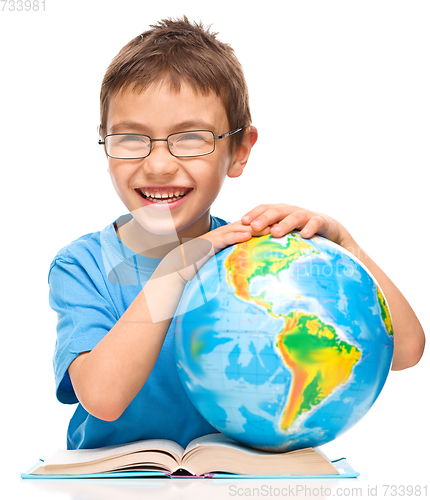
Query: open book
pixel 204 456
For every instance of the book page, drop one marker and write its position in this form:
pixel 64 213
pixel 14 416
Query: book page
pixel 66 457
pixel 216 452
pixel 218 439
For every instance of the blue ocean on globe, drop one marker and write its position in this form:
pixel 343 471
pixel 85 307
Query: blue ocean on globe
pixel 283 343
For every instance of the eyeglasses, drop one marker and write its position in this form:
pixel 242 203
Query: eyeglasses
pixel 182 145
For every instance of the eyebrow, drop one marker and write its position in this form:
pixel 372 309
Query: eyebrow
pixel 179 127
pixel 133 126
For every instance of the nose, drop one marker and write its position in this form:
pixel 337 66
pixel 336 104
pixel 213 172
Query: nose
pixel 160 161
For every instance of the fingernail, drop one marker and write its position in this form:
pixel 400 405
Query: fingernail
pixel 245 218
pixel 256 223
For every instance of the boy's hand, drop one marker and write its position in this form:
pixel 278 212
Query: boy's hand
pixel 185 260
pixel 233 233
pixel 281 219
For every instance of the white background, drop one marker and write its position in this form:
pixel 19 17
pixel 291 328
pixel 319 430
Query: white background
pixel 339 92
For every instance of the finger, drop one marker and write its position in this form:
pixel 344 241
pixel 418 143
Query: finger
pixel 272 215
pixel 253 214
pixel 256 212
pixel 239 227
pixel 263 232
pixel 228 235
pixel 250 232
pixel 242 234
pixel 315 225
pixel 296 220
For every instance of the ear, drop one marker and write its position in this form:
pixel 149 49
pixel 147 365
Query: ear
pixel 243 150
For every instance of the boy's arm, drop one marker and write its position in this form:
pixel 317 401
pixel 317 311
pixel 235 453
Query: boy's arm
pixel 108 378
pixel 409 339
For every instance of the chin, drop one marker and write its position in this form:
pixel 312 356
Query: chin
pixel 155 222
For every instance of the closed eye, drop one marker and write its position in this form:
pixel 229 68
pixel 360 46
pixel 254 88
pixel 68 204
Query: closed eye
pixel 133 138
pixel 191 137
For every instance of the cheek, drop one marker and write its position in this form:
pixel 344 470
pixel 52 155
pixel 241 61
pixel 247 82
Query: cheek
pixel 209 179
pixel 215 171
pixel 119 178
pixel 119 173
pixel 113 177
pixel 225 161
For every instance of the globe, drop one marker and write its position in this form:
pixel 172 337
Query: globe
pixel 283 343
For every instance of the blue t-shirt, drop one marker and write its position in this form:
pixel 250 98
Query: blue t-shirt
pixel 92 281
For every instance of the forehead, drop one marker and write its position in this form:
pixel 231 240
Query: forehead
pixel 162 109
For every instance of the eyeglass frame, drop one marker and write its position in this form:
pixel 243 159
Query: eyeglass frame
pixel 215 137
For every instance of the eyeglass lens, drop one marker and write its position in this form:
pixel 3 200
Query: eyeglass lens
pixel 194 143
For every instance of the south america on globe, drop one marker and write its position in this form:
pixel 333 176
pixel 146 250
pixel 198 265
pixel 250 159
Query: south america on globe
pixel 283 343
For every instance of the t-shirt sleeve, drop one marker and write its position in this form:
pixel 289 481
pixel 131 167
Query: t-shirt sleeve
pixel 85 315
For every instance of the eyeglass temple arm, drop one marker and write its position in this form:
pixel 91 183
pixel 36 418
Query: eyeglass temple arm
pixel 228 133
pixel 215 137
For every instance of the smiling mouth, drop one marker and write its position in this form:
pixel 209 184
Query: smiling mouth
pixel 163 198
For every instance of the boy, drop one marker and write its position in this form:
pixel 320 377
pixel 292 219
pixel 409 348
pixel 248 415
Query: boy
pixel 175 121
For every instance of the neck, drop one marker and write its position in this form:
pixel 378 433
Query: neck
pixel 144 242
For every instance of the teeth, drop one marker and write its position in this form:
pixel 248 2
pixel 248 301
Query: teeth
pixel 164 197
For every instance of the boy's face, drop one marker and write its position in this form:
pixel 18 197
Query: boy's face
pixel 158 112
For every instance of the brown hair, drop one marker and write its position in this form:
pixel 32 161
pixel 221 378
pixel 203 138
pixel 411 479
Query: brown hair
pixel 178 51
